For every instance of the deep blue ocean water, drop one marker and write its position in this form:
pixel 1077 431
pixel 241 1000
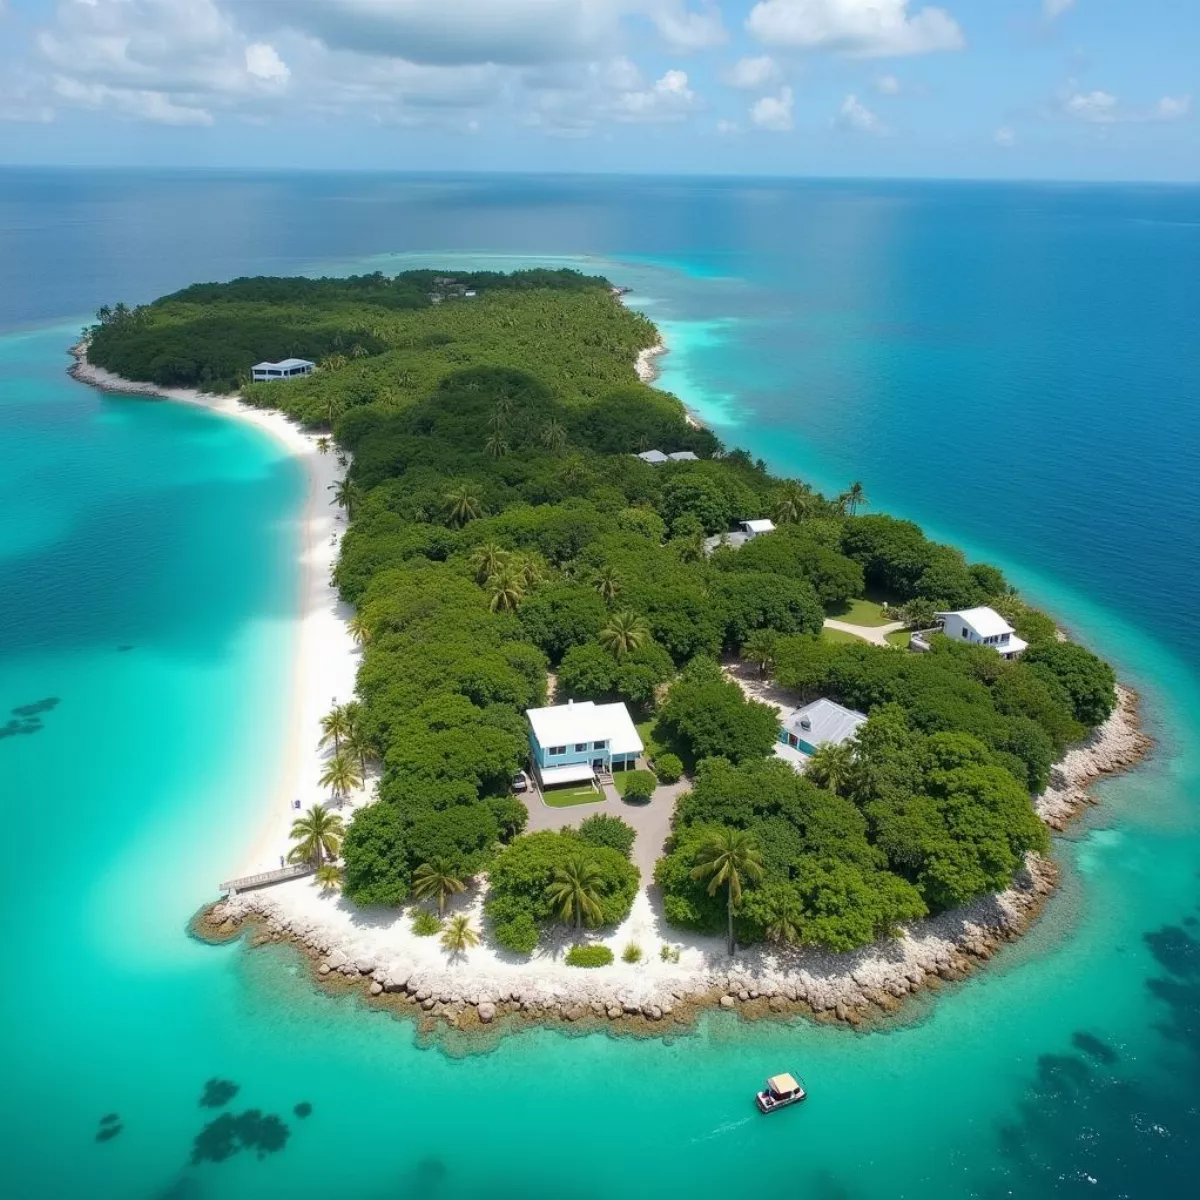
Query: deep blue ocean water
pixel 1016 367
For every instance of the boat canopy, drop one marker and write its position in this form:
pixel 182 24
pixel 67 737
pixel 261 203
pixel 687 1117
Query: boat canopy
pixel 782 1084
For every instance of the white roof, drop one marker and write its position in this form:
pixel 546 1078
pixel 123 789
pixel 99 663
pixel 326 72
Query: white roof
pixel 652 456
pixel 827 721
pixel 986 622
pixel 574 773
pixel 683 456
pixel 763 526
pixel 584 721
pixel 286 365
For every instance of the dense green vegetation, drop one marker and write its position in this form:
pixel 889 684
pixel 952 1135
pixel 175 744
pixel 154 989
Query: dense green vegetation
pixel 502 527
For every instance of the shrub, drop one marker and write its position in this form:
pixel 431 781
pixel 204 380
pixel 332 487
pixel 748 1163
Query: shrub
pixel 603 830
pixel 518 934
pixel 589 956
pixel 638 786
pixel 632 953
pixel 425 923
pixel 669 953
pixel 668 767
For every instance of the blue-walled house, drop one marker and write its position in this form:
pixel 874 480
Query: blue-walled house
pixel 576 741
pixel 815 724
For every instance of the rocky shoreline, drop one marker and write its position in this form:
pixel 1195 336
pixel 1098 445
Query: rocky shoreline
pixel 858 989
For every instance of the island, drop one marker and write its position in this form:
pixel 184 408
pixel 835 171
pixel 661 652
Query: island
pixel 628 727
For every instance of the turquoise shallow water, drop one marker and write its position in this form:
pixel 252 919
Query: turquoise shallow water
pixel 827 328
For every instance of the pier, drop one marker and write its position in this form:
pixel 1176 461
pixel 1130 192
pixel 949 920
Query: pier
pixel 249 882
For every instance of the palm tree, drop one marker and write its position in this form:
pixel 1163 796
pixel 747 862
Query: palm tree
pixel 793 502
pixel 554 437
pixel 359 745
pixel 624 633
pixel 532 568
pixel 324 445
pixel 691 546
pixel 341 776
pixel 575 891
pixel 607 583
pixel 345 494
pixel 498 420
pixel 488 560
pixel 856 496
pixel 785 919
pixel 334 409
pixel 329 877
pixel 317 834
pixel 496 445
pixel 360 631
pixel 462 505
pixel 459 935
pixel 335 725
pixel 832 766
pixel 507 589
pixel 437 878
pixel 723 858
pixel 759 648
pixel 333 362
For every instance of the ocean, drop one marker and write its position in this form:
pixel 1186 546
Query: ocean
pixel 1016 367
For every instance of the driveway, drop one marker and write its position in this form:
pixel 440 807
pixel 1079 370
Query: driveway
pixel 652 821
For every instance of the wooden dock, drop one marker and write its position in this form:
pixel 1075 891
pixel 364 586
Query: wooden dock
pixel 249 882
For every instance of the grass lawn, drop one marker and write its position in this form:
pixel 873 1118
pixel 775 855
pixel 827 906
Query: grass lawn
pixel 899 639
pixel 838 635
pixel 859 612
pixel 567 797
pixel 654 747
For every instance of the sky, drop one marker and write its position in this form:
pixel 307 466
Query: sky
pixel 1045 89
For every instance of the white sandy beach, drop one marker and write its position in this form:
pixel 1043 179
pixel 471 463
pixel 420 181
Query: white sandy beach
pixel 326 658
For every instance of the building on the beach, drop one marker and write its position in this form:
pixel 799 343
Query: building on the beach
pixel 978 627
pixel 576 741
pixel 653 457
pixel 753 528
pixel 822 721
pixel 289 368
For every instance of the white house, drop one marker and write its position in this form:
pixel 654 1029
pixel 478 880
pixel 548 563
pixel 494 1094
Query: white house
pixel 823 721
pixel 574 742
pixel 983 627
pixel 289 368
pixel 653 457
pixel 753 528
pixel 683 456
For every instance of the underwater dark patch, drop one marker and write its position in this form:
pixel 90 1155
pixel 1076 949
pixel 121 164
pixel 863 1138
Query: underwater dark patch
pixel 124 649
pixel 15 728
pixel 36 708
pixel 303 1109
pixel 106 1133
pixel 1093 1047
pixel 109 1118
pixel 221 1139
pixel 218 1093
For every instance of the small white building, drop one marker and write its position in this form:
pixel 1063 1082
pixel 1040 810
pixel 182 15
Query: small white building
pixel 753 528
pixel 289 368
pixel 816 724
pixel 983 627
pixel 653 457
pixel 683 456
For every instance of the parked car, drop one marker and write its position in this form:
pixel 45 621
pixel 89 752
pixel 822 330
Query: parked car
pixel 520 782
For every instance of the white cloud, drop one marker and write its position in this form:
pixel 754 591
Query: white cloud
pixel 263 62
pixel 888 85
pixel 752 73
pixel 1097 107
pixel 669 98
pixel 1173 108
pixel 861 28
pixel 774 112
pixel 1056 8
pixel 684 30
pixel 728 128
pixel 132 102
pixel 1005 136
pixel 856 116
pixel 1104 108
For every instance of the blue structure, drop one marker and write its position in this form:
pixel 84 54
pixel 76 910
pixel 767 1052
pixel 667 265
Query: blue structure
pixel 819 722
pixel 574 742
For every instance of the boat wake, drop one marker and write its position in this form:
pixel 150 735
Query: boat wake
pixel 721 1130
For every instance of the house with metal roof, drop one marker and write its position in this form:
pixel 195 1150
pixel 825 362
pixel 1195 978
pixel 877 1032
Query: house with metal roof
pixel 683 456
pixel 576 741
pixel 653 457
pixel 814 725
pixel 978 627
pixel 289 368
